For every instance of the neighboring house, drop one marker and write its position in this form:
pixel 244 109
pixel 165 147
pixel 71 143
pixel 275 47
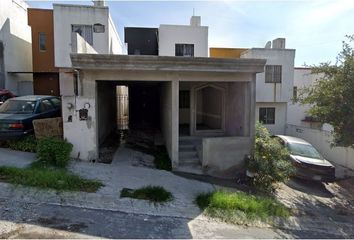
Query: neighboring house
pixel 141 41
pixel 15 48
pixel 298 113
pixel 274 86
pixel 184 40
pixel 45 74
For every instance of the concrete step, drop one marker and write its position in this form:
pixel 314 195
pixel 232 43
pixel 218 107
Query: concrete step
pixel 188 154
pixel 188 160
pixel 186 147
pixel 190 168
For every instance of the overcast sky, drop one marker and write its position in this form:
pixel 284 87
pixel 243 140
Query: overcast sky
pixel 315 28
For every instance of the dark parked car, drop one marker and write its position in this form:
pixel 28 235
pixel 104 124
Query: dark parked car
pixel 4 95
pixel 308 162
pixel 17 114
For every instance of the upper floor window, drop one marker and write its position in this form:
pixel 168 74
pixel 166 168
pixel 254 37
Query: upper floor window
pixel 273 73
pixel 85 31
pixel 42 41
pixel 185 50
pixel 267 115
pixel 295 94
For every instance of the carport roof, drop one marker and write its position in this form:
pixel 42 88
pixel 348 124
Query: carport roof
pixel 164 63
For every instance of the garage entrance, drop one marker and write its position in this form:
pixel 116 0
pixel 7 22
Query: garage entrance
pixel 127 110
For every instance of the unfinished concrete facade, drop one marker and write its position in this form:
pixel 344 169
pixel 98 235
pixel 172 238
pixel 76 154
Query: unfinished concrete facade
pixel 221 104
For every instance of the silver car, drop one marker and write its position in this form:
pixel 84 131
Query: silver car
pixel 308 162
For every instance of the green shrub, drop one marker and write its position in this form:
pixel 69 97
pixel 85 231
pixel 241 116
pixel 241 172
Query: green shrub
pixel 239 207
pixel 54 151
pixel 269 161
pixel 26 144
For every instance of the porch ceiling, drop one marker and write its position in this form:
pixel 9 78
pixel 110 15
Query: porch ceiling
pixel 163 63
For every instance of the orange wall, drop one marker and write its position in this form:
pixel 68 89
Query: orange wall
pixel 226 52
pixel 41 20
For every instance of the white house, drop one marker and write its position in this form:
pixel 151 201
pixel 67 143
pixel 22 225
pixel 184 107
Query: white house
pixel 15 48
pixel 85 29
pixel 274 86
pixel 184 40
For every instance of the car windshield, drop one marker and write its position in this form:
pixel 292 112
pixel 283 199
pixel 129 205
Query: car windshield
pixel 17 106
pixel 304 150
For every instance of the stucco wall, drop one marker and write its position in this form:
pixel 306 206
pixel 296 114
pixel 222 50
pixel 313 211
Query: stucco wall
pixel 296 111
pixel 270 92
pixel 169 35
pixel 64 17
pixel 280 116
pixel 82 134
pixel 321 141
pixel 224 153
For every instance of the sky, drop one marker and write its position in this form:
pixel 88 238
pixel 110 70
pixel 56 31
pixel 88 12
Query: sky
pixel 315 28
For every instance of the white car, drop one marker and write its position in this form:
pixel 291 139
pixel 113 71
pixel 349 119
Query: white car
pixel 308 162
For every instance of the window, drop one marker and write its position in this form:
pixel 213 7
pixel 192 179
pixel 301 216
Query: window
pixel 85 31
pixel 184 99
pixel 273 73
pixel 42 41
pixel 45 106
pixel 294 94
pixel 267 115
pixel 56 102
pixel 185 50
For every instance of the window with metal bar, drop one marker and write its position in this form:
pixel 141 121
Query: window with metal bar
pixel 267 115
pixel 273 73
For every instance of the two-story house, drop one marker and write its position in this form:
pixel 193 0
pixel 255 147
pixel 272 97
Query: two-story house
pixel 15 47
pixel 274 88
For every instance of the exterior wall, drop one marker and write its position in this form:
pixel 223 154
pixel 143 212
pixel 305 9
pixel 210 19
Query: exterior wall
pixel 143 40
pixel 274 92
pixel 220 154
pixel 169 35
pixel 79 45
pixel 226 52
pixel 106 110
pixel 66 15
pixel 16 38
pixel 321 139
pixel 297 112
pixel 115 43
pixel 41 21
pixel 280 117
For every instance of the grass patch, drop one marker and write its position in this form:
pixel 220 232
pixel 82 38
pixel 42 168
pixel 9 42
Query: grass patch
pixel 25 144
pixel 237 207
pixel 155 194
pixel 58 179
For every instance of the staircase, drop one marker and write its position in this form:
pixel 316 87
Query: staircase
pixel 188 155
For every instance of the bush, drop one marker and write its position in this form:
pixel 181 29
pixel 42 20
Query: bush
pixel 269 161
pixel 26 144
pixel 54 151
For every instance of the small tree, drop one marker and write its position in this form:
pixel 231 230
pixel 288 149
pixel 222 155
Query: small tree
pixel 332 96
pixel 269 161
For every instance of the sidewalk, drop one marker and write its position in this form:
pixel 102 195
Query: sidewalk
pixel 120 174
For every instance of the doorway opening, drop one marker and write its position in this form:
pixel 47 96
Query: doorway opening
pixel 209 104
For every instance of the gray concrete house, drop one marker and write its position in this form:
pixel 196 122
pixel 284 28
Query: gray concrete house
pixel 215 133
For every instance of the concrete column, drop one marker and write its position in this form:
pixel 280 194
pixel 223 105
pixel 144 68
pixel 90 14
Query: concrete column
pixel 252 88
pixel 175 123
